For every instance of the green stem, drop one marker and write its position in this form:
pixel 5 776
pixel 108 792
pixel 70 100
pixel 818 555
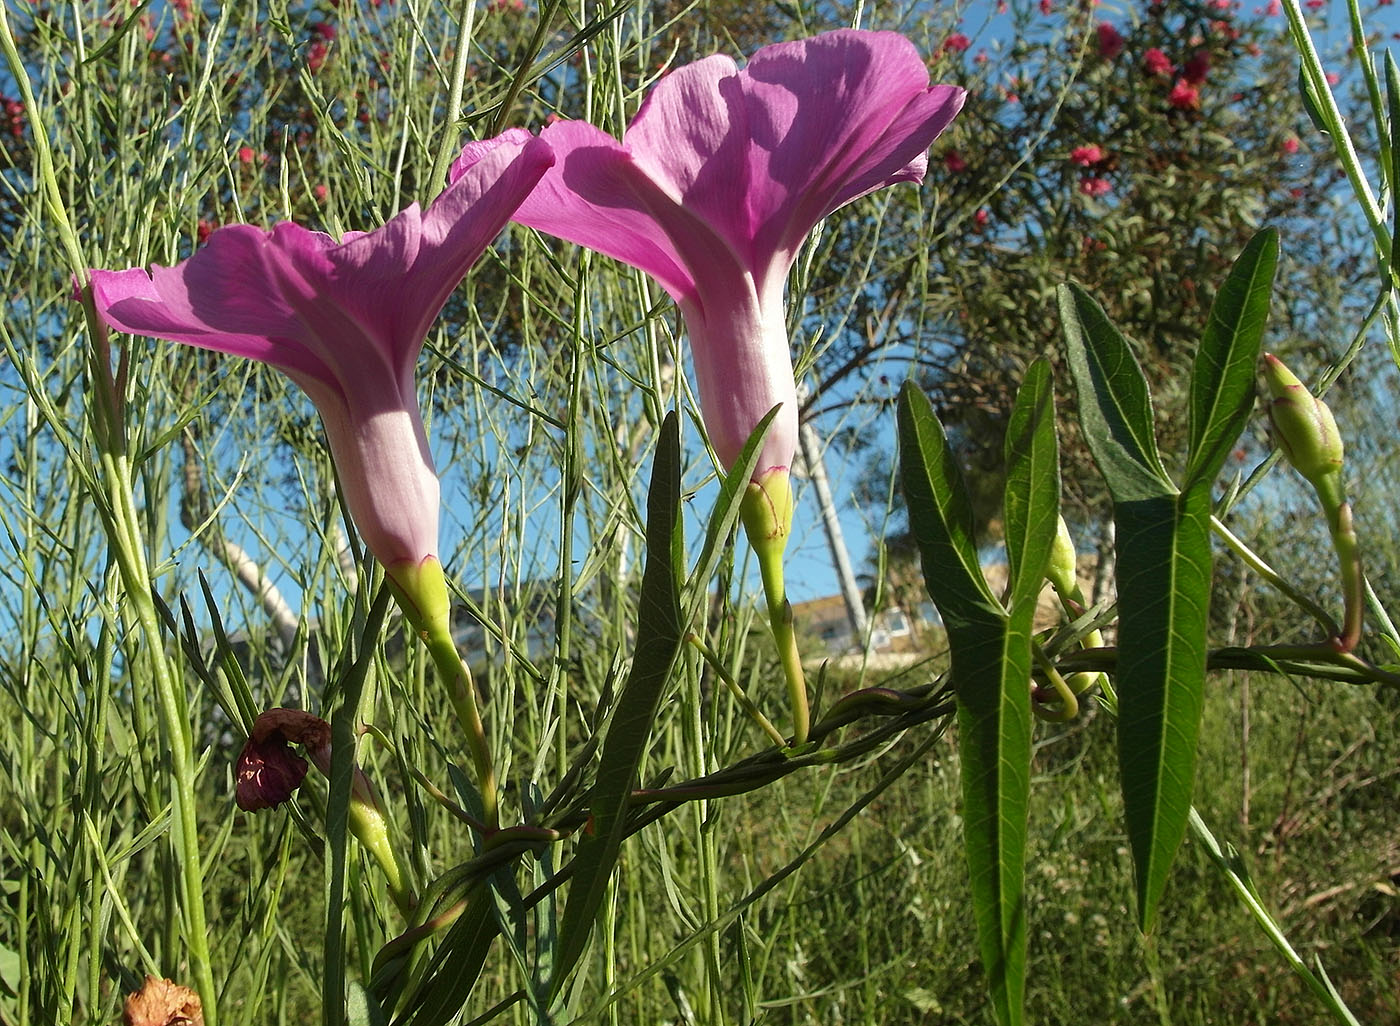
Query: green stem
pixel 711 657
pixel 1336 128
pixel 1251 560
pixel 462 692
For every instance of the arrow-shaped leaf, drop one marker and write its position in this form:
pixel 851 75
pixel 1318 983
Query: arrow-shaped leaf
pixel 1115 407
pixel 1163 578
pixel 1222 376
pixel 991 666
pixel 1032 485
pixel 1163 581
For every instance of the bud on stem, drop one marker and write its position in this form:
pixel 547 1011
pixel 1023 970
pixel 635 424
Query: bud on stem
pixel 766 511
pixel 1307 433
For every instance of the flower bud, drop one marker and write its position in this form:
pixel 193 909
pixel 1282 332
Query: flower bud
pixel 1303 426
pixel 1062 570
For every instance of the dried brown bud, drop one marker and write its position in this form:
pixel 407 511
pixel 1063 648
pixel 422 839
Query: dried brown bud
pixel 163 1003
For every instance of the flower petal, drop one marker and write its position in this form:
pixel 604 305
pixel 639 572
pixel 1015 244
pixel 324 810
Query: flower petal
pixel 832 118
pixel 591 197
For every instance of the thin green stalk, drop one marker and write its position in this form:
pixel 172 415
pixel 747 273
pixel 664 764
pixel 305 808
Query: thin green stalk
pixel 1233 867
pixel 123 525
pixel 1257 564
pixel 448 145
pixel 1336 127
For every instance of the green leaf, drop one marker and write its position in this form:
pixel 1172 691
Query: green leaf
pixel 1115 407
pixel 1392 96
pixel 726 512
pixel 455 966
pixel 1163 578
pixel 659 639
pixel 940 513
pixel 991 668
pixel 363 1009
pixel 1312 103
pixel 1222 376
pixel 1032 502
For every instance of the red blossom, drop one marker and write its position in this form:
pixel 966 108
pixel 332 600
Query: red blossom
pixel 1110 41
pixel 1290 145
pixel 1086 156
pixel 204 229
pixel 324 30
pixel 954 162
pixel 956 43
pixel 1046 6
pixel 981 217
pixel 1095 186
pixel 1157 63
pixel 320 192
pixel 1184 96
pixel 245 154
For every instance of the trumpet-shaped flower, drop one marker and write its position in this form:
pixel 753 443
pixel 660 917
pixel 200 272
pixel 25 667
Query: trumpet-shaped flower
pixel 719 178
pixel 346 321
pixel 714 186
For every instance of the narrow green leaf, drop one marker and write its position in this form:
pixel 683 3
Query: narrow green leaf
pixel 1312 104
pixel 456 965
pixel 1392 97
pixel 940 513
pixel 1163 581
pixel 991 670
pixel 726 511
pixel 1032 485
pixel 1222 376
pixel 1163 578
pixel 659 640
pixel 345 721
pixel 1115 407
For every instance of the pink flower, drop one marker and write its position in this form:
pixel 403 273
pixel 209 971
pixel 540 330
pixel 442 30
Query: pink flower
pixel 246 155
pixel 346 321
pixel 1156 63
pixel 1110 41
pixel 320 191
pixel 1086 156
pixel 1046 6
pixel 981 217
pixel 316 56
pixel 718 180
pixel 1095 186
pixel 953 161
pixel 1274 9
pixel 1290 145
pixel 956 43
pixel 1315 5
pixel 1184 96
